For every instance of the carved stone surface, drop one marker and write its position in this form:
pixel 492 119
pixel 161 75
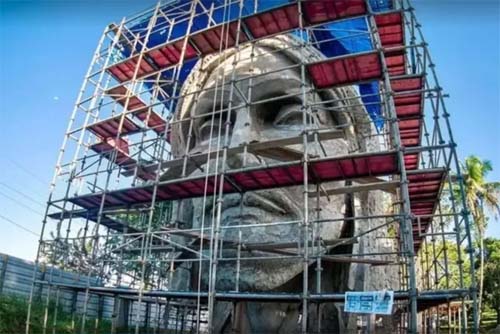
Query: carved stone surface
pixel 259 122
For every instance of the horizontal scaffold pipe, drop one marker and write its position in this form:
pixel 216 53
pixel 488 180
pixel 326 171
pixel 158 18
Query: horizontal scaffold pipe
pixel 260 296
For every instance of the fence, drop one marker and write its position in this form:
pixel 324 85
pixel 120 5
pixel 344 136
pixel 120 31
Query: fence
pixel 16 277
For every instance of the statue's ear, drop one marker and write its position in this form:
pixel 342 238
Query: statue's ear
pixel 361 129
pixel 182 213
pixel 177 144
pixel 349 115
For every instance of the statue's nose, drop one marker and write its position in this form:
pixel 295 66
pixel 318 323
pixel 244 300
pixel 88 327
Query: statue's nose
pixel 241 129
pixel 242 134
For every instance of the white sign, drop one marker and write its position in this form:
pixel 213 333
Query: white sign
pixel 371 302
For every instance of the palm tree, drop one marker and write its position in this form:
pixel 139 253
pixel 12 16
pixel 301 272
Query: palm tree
pixel 480 195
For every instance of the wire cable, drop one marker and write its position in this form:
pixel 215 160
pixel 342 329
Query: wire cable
pixel 21 204
pixel 22 194
pixel 27 171
pixel 19 225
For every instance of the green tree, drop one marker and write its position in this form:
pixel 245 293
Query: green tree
pixel 444 265
pixel 492 275
pixel 480 195
pixel 77 253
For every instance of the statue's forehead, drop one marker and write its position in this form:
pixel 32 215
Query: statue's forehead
pixel 256 59
pixel 267 65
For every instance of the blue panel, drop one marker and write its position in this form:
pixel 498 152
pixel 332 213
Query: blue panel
pixel 351 36
pixel 334 39
pixel 176 31
pixel 226 13
pixel 340 38
pixel 269 4
pixel 381 5
pixel 371 98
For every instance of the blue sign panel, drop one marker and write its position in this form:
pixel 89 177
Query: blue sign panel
pixel 370 302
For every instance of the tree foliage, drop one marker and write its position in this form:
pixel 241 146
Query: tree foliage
pixel 441 265
pixel 86 254
pixel 480 195
pixel 491 292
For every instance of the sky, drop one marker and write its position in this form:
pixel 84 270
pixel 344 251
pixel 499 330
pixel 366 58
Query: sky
pixel 46 47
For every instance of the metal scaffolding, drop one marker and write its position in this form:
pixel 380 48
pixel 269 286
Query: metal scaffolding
pixel 132 156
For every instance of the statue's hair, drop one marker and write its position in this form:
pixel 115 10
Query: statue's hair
pixel 355 120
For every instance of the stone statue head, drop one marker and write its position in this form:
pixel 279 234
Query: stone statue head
pixel 265 104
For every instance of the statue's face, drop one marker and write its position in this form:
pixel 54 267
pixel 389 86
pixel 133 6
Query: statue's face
pixel 259 123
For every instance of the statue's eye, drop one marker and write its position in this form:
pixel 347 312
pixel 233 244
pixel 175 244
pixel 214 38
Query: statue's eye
pixel 283 112
pixel 209 128
pixel 289 115
pixel 212 127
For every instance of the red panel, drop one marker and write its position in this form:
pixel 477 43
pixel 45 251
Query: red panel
pixel 410 141
pixel 155 121
pixel 273 21
pixel 424 223
pixel 409 124
pixel 407 135
pixel 170 54
pixel 119 93
pixel 203 43
pixel 124 71
pixel 118 73
pixel 318 11
pixel 411 161
pixel 408 101
pixel 409 83
pixel 111 145
pixel 425 176
pixel 424 187
pixel 139 109
pixel 408 110
pixel 345 70
pixel 281 176
pixel 109 127
pixel 390 28
pixel 395 61
pixel 136 104
pixel 120 147
pixel 161 58
pixel 323 170
pixel 217 38
pixel 410 133
pixel 190 52
pixel 423 205
pixel 424 197
pixel 408 98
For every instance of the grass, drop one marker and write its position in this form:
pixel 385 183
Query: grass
pixel 488 321
pixel 13 310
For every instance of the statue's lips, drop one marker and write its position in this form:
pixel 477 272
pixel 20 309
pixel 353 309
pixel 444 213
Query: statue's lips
pixel 275 203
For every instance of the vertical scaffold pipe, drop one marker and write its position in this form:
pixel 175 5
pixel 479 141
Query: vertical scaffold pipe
pixel 56 174
pixel 220 199
pixel 406 222
pixel 465 212
pixel 305 166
